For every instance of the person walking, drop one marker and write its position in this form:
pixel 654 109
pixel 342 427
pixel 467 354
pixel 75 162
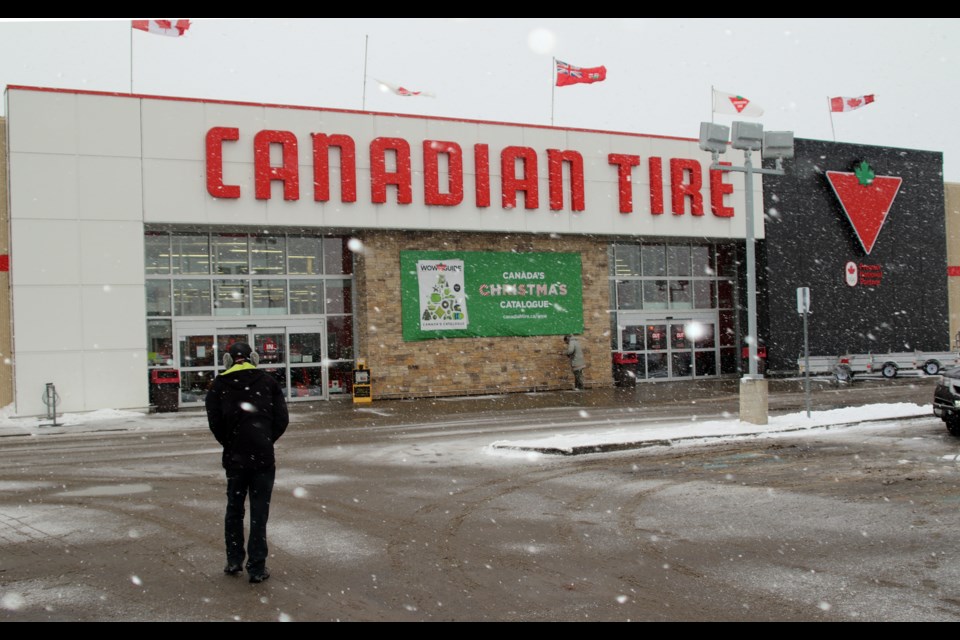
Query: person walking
pixel 247 413
pixel 577 363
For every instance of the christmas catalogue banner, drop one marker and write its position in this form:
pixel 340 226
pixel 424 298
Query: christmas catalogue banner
pixel 478 294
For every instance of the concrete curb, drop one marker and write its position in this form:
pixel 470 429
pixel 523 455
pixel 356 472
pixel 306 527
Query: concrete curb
pixel 659 442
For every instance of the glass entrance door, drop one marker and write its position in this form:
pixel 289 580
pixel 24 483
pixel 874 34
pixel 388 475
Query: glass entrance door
pixel 196 358
pixel 670 347
pixel 309 378
pixel 269 343
pixel 294 354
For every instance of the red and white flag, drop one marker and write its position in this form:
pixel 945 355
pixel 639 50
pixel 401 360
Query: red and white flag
pixel 173 27
pixel 838 105
pixel 403 91
pixel 568 74
pixel 735 104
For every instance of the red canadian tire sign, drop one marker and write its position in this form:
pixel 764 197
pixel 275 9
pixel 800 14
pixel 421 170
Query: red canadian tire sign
pixel 866 199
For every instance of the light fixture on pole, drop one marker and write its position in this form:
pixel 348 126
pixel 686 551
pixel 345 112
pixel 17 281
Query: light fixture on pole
pixel 777 145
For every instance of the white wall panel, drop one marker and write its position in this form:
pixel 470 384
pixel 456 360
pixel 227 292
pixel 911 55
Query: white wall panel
pixel 300 122
pixel 45 252
pixel 110 252
pixel 47 319
pixel 170 130
pixel 108 126
pixel 35 370
pixel 115 379
pixel 466 134
pixel 413 130
pixel 109 188
pixel 541 140
pixel 170 192
pixel 44 186
pixel 113 317
pixel 42 122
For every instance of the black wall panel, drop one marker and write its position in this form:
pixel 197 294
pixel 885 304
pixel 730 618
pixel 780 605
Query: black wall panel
pixel 809 240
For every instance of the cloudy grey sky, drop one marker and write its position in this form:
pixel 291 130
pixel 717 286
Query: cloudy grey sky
pixel 659 70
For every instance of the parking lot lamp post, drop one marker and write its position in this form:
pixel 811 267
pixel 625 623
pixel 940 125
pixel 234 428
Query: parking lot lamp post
pixel 777 145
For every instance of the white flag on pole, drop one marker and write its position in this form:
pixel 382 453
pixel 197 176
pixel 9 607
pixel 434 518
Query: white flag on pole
pixel 735 104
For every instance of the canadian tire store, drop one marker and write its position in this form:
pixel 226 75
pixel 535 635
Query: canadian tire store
pixel 148 233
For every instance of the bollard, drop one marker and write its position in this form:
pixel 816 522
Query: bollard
pixel 50 398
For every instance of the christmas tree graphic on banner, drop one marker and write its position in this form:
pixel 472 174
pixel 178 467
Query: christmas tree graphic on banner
pixel 443 303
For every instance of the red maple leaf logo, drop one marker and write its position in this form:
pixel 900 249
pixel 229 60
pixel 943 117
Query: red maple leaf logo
pixel 866 206
pixel 853 103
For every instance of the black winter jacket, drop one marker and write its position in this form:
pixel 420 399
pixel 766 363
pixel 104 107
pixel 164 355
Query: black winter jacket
pixel 247 413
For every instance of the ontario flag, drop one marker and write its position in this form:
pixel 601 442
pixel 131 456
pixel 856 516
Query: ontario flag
pixel 173 27
pixel 568 74
pixel 838 105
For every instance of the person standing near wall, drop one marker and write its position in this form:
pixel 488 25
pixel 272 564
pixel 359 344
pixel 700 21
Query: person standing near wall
pixel 577 363
pixel 247 413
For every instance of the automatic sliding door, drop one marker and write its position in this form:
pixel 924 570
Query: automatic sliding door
pixel 197 364
pixel 307 371
pixel 295 354
pixel 271 344
pixel 669 347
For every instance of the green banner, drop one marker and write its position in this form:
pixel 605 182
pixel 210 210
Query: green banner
pixel 470 294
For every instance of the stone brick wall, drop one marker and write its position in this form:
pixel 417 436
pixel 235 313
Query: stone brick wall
pixel 464 366
pixel 952 205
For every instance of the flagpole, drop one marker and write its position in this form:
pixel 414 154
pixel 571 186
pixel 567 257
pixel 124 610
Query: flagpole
pixel 553 87
pixel 366 42
pixel 712 112
pixel 830 111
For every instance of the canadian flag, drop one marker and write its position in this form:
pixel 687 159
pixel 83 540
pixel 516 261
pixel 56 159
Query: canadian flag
pixel 841 104
pixel 173 27
pixel 403 91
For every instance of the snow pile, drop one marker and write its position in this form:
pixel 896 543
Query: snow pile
pixel 692 429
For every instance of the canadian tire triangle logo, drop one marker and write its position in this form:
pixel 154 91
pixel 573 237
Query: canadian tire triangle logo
pixel 739 103
pixel 866 198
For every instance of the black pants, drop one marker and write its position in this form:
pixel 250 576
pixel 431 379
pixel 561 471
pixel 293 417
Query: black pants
pixel 259 486
pixel 578 378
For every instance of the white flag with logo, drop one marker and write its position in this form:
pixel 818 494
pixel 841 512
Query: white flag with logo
pixel 735 104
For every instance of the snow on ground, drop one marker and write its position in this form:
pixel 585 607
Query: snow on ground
pixel 589 436
pixel 733 427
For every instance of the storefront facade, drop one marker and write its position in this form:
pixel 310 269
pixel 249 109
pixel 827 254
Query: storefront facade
pixel 451 256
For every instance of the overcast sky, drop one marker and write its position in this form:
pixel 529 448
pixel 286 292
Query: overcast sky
pixel 659 70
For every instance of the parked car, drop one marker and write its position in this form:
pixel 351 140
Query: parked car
pixel 946 400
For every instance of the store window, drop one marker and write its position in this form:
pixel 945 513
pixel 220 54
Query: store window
pixel 305 255
pixel 191 297
pixel 268 255
pixel 158 298
pixel 269 297
pixel 339 296
pixel 190 254
pixel 231 255
pixel 201 288
pixel 157 253
pixel 337 257
pixel 306 297
pixel 674 304
pixel 230 297
pixel 160 343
